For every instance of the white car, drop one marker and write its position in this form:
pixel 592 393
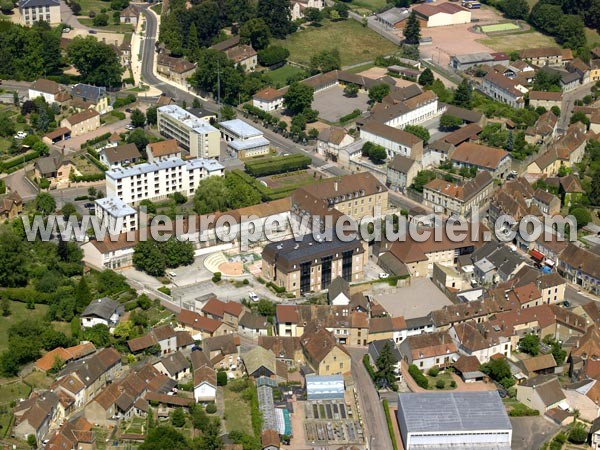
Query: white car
pixel 129 127
pixel 253 296
pixel 20 135
pixel 66 30
pixel 383 275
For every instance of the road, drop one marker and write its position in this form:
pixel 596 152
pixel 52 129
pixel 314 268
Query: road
pixel 569 102
pixel 578 298
pixel 375 423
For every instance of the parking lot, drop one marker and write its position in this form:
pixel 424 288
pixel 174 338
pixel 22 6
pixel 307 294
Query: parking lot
pixel 330 422
pixel 333 104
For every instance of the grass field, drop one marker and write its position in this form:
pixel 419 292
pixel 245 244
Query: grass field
pixel 237 410
pixel 510 42
pixel 499 27
pixel 441 376
pixel 367 5
pixel 121 28
pixel 85 166
pixel 593 37
pixel 18 311
pixel 300 177
pixel 355 43
pixel 13 391
pixel 279 77
pixel 92 5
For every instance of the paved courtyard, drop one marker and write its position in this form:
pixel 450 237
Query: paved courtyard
pixel 531 432
pixel 416 300
pixel 333 104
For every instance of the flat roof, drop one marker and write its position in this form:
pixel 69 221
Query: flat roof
pixel 115 206
pixel 124 172
pixel 248 143
pixel 193 122
pixel 416 300
pixel 452 411
pixel 241 128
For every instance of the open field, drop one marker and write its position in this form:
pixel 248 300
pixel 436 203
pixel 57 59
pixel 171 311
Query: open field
pixel 92 5
pixel 18 311
pixel 13 391
pixel 363 6
pixel 510 42
pixel 592 36
pixel 494 28
pixel 237 410
pixel 445 376
pixel 279 77
pixel 355 43
pixel 120 28
pixel 300 177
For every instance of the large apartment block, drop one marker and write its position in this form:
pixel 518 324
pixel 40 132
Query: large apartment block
pixel 116 215
pixel 310 265
pixel 193 133
pixel 158 179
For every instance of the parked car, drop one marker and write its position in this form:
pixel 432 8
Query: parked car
pixel 88 205
pixel 20 135
pixel 129 127
pixel 66 30
pixel 383 275
pixel 92 32
pixel 253 296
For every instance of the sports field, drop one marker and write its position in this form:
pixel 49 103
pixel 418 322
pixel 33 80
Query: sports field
pixel 494 28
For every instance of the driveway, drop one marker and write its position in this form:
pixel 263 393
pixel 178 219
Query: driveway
pixel 375 424
pixel 531 432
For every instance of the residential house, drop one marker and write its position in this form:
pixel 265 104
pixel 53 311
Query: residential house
pixel 222 351
pixel 82 122
pixel 473 341
pixel 436 153
pixel 461 199
pixel 338 293
pixel 270 440
pixel 297 7
pixel 545 164
pixel 504 90
pixel 163 336
pixel 36 415
pixel 324 355
pixel 287 349
pixel 269 99
pixel 202 327
pixel 468 369
pixel 11 206
pixel 594 434
pixel 86 96
pixel 494 262
pixel 469 132
pixel 577 66
pixel 570 148
pixel 120 155
pixel 158 151
pixel 260 362
pixel 205 384
pixel 401 171
pixel 252 324
pixel 129 15
pixel 513 200
pixel 244 55
pixel 547 56
pixel 394 140
pixel 494 160
pixel 429 350
pixel 32 11
pixel 543 364
pixel 581 267
pixel 51 91
pixel 109 253
pixel 570 189
pixel 331 140
pixel 545 99
pixel 103 311
pixel 174 365
pixel 543 131
pixel 548 203
pixel 175 69
pixel 74 434
pixel 542 393
pixel 388 328
pixel 65 355
pixel 229 312
pixel 54 167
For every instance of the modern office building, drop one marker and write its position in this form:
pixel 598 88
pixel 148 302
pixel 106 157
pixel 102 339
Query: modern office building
pixel 310 265
pixel 440 420
pixel 191 132
pixel 158 179
pixel 116 215
pixel 243 140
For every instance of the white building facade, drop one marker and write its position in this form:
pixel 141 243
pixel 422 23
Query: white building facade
pixel 116 215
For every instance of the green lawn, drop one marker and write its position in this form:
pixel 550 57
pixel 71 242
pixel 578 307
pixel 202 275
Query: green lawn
pixel 279 77
pixel 120 28
pixel 518 41
pixel 237 410
pixel 592 36
pixel 92 5
pixel 4 145
pixel 18 311
pixel 13 391
pixel 365 6
pixel 441 376
pixel 355 43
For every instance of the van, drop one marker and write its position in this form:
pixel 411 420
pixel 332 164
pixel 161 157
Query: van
pixel 172 274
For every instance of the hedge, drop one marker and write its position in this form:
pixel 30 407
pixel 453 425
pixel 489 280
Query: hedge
pixel 87 178
pixel 90 142
pixel 95 161
pixel 353 115
pixel 277 289
pixel 26 157
pixel 275 165
pixel 262 115
pixel 418 376
pixel 25 295
pixel 255 414
pixel 123 101
pixel 369 367
pixel 118 114
pixel 388 418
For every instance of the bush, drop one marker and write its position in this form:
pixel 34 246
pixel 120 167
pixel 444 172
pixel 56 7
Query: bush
pixel 94 141
pixel 388 418
pixel 368 366
pixel 164 290
pixel 221 378
pixel 418 376
pixel 434 371
pixel 118 114
pixel 440 384
pixel 520 410
pixel 453 384
pixel 275 165
pixel 348 117
pixel 216 277
pixel 211 408
pixel 124 101
pixel 578 434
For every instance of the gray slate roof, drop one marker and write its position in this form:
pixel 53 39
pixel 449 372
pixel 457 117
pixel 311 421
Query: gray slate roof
pixel 102 307
pixel 452 411
pixel 88 92
pixel 36 3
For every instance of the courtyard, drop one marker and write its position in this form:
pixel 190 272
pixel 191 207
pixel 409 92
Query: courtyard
pixel 332 104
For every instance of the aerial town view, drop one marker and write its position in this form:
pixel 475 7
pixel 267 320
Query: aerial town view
pixel 299 224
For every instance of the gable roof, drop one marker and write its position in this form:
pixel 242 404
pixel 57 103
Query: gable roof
pixel 175 363
pixel 122 153
pixel 427 10
pixel 429 345
pixel 393 134
pixel 198 322
pixel 82 116
pixel 205 374
pixel 284 347
pixel 470 131
pixel 581 259
pixel 218 308
pixel 103 308
pixel 479 155
pixel 164 148
pixel 253 321
pixel 259 357
pixel 333 135
pixel 319 344
pixel 539 362
pixel 41 84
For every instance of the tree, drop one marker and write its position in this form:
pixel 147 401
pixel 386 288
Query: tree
pixel 386 363
pixel 96 61
pixel 450 123
pixel 178 417
pixel 516 9
pixel 273 55
pixel 177 253
pixel 13 262
pixel 211 437
pixel 419 131
pixel 378 92
pixel 571 32
pixel 7 126
pixel 412 31
pixel 594 193
pixel 555 110
pixel 582 216
pixel 277 16
pixel 510 142
pixel 342 9
pixel 426 78
pixel 497 369
pixel 210 196
pixel 148 257
pixel 298 98
pixel 5 304
pixel 139 138
pixel 164 437
pixel 530 344
pixel 351 90
pixel 579 116
pixel 99 335
pixel 463 96
pixel 326 60
pixel 547 80
pixel 440 384
pixel 228 112
pixel 377 154
pixel 100 20
pixel 32 441
pixel 83 295
pixel 221 378
pixel 313 15
pixel 151 115
pixel 256 33
pixel 578 434
pixel 45 203
pixel 138 119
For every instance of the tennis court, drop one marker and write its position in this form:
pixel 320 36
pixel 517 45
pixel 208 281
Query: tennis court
pixel 496 27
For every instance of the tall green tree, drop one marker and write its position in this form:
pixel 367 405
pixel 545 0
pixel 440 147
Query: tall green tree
pixel 97 62
pixel 148 257
pixel 83 295
pixel 164 437
pixel 45 203
pixel 378 92
pixel 516 9
pixel 530 343
pixel 385 375
pixel 298 98
pixel 326 60
pixel 419 131
pixel 256 33
pixel 426 78
pixel 463 96
pixel 277 16
pixel 412 31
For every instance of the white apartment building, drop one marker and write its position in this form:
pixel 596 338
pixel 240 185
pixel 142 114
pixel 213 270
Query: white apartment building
pixel 117 216
pixel 413 111
pixel 158 179
pixel 193 133
pixel 32 11
pixel 243 140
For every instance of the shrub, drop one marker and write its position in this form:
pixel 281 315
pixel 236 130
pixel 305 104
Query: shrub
pixel 216 277
pixel 118 114
pixel 221 378
pixel 440 384
pixel 368 366
pixel 124 101
pixel 390 425
pixel 164 290
pixel 275 165
pixel 434 371
pixel 578 434
pixel 211 408
pixel 348 117
pixel 418 376
pixel 453 384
